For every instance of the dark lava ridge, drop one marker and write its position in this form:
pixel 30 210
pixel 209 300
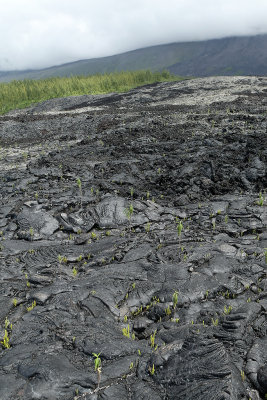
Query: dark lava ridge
pixel 134 225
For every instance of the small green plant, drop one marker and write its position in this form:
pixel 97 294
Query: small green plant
pixel 131 365
pixel 265 255
pixel 215 322
pixel 133 285
pixel 152 370
pixel 74 271
pixel 93 235
pixel 27 282
pixel 175 299
pixel 147 227
pixel 8 324
pixel 261 199
pixel 179 228
pixel 97 362
pixel 168 311
pixel 129 211
pixel 15 302
pixel 31 231
pixel 79 183
pixel 242 373
pixel 126 331
pixel 132 191
pixel 227 310
pixel 152 339
pixel 31 307
pixel 5 341
pixel 226 219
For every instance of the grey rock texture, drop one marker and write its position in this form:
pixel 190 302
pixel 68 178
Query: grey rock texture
pixel 133 226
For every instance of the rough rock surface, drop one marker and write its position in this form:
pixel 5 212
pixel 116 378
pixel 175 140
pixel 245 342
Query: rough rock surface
pixel 134 225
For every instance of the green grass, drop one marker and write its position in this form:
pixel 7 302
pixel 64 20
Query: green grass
pixel 21 94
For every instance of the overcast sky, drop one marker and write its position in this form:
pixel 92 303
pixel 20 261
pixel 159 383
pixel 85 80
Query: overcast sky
pixel 41 33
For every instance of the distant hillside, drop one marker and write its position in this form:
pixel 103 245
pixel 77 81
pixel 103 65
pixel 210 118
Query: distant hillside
pixel 246 55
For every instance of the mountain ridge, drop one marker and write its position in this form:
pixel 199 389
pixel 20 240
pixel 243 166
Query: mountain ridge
pixel 238 55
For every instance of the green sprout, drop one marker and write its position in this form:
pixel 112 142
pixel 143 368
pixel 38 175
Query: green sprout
pixel 79 183
pixel 242 373
pixel 175 299
pixel 126 331
pixel 152 370
pixel 31 307
pixel 129 211
pixel 27 282
pixel 93 235
pixel 147 227
pixel 227 310
pixel 179 228
pixel 7 323
pixel 168 311
pixel 152 339
pixel 5 341
pixel 74 271
pixel 97 360
pixel 261 199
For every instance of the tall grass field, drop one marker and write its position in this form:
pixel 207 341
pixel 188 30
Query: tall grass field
pixel 20 94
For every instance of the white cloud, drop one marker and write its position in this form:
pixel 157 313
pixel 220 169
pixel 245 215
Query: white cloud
pixel 41 33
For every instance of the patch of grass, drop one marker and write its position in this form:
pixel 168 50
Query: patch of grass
pixel 21 94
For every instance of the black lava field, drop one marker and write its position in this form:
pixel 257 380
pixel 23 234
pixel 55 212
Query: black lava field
pixel 133 244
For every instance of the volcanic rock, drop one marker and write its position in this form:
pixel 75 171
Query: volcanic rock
pixel 133 231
